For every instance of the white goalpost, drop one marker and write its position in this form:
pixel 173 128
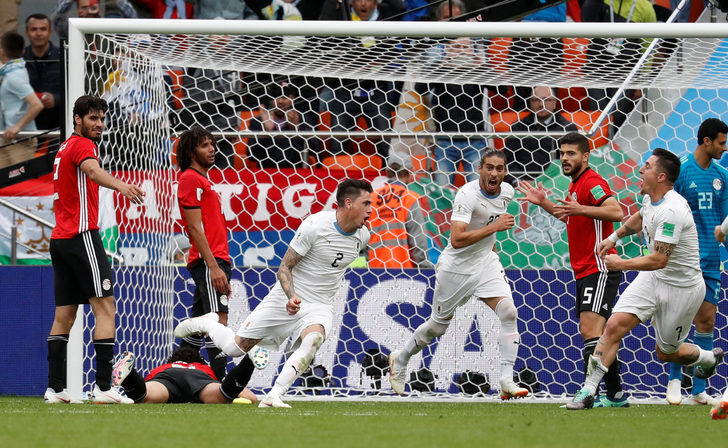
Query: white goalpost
pixel 360 91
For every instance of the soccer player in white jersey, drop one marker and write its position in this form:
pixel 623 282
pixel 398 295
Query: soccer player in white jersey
pixel 469 267
pixel 299 305
pixel 669 288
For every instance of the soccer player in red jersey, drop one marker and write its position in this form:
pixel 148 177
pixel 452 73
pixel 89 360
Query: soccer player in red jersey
pixel 209 258
pixel 588 211
pixel 184 378
pixel 82 273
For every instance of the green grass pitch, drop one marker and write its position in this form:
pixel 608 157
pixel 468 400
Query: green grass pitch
pixel 28 422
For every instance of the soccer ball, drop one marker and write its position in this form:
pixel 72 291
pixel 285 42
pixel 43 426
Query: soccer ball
pixel 260 357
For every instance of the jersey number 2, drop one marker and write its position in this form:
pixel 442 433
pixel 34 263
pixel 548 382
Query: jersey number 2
pixel 339 257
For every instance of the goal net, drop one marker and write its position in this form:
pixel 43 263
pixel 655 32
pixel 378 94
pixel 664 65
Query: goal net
pixel 297 107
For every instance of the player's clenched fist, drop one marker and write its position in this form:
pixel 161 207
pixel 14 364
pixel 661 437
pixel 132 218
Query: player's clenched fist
pixel 293 305
pixel 504 221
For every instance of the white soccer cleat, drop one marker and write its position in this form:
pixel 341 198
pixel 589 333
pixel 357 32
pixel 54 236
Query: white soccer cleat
pixel 701 399
pixel 111 396
pixel 509 389
pixel 122 368
pixel 674 392
pixel 397 375
pixel 260 357
pixel 273 401
pixel 195 325
pixel 62 397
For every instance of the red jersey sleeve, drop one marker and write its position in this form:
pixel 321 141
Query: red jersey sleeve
pixel 189 191
pixel 599 190
pixel 84 149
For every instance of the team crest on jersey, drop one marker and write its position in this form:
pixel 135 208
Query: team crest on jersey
pixel 106 284
pixel 199 191
pixel 717 184
pixel 573 195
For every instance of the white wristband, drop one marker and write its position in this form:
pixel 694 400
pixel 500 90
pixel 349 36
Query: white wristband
pixel 613 237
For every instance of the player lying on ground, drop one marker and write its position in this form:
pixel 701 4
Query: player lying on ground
pixel 184 378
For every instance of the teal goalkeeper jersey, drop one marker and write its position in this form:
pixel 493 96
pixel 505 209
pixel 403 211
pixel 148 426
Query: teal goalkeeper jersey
pixel 705 191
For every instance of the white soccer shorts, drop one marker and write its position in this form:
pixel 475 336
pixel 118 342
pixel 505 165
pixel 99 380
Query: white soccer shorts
pixel 271 323
pixel 671 308
pixel 453 290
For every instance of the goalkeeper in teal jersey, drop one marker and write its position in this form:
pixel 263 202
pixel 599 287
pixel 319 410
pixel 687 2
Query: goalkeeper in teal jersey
pixel 704 184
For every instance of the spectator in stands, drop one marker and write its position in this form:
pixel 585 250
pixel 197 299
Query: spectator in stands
pixel 20 105
pixel 459 109
pixel 529 156
pixel 397 222
pixel 43 62
pixel 88 9
pixel 373 100
pixel 547 52
pixel 614 58
pixel 163 9
pixel 364 10
pixel 278 113
pixel 9 20
pixel 129 93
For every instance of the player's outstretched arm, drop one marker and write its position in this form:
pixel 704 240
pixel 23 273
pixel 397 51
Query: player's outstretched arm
pixel 97 174
pixel 657 259
pixel 536 196
pixel 609 210
pixel 285 277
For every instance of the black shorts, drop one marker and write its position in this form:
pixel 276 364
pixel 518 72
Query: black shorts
pixel 184 385
pixel 206 299
pixel 80 269
pixel 597 292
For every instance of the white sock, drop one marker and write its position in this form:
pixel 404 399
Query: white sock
pixel 706 358
pixel 509 339
pixel 297 362
pixel 422 336
pixel 596 375
pixel 224 338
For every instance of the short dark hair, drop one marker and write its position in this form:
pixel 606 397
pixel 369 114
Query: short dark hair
pixel 38 16
pixel 711 128
pixel 188 142
pixel 351 188
pixel 86 103
pixel 186 353
pixel 668 163
pixel 13 44
pixel 489 152
pixel 574 138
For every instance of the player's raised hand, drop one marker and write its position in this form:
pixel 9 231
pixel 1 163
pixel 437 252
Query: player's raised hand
pixel 567 207
pixel 293 305
pixel 604 246
pixel 719 235
pixel 504 222
pixel 132 192
pixel 534 195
